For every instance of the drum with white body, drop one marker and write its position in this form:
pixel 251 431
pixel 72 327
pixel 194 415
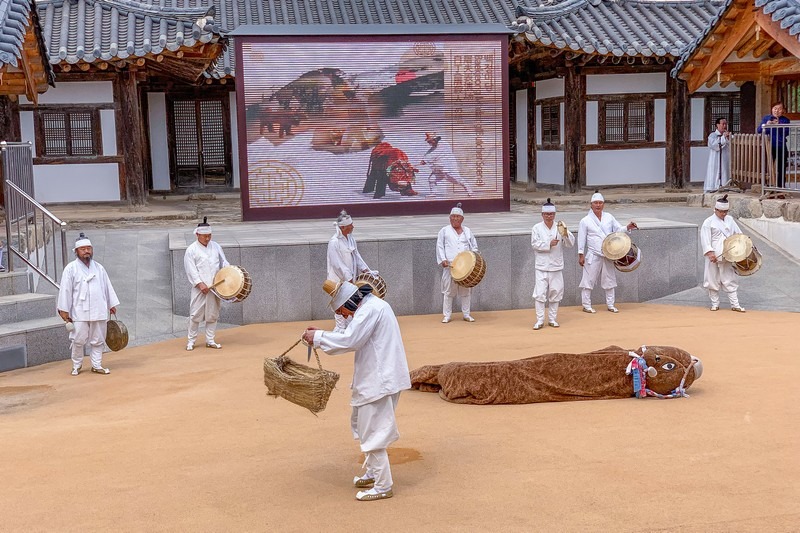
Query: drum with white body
pixel 619 248
pixel 468 268
pixel 375 281
pixel 750 264
pixel 232 284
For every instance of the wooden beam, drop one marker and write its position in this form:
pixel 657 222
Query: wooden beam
pixel 748 44
pixel 84 66
pixel 531 131
pixel 789 42
pixel 762 47
pixel 722 50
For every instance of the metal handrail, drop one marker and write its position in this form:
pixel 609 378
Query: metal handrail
pixel 783 158
pixel 22 210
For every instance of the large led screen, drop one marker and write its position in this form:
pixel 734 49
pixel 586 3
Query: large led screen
pixel 378 125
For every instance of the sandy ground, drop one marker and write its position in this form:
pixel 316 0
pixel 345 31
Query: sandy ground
pixel 189 442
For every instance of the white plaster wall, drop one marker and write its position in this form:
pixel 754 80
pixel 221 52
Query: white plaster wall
pixel 660 120
pixel 76 183
pixel 698 163
pixel 550 167
pixel 592 109
pixel 26 129
pixel 698 116
pixel 76 92
pixel 538 125
pixel 625 167
pixel 655 82
pixel 234 141
pixel 778 231
pixel 549 88
pixel 522 135
pixel 159 147
pixel 108 127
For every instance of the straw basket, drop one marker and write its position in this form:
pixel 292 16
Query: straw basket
pixel 300 384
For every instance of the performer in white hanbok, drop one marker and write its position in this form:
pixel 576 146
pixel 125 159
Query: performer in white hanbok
pixel 719 272
pixel 344 260
pixel 380 372
pixel 453 239
pixel 443 164
pixel 593 228
pixel 718 173
pixel 85 298
pixel 203 259
pixel 548 241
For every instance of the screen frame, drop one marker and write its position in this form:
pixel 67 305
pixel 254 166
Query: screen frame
pixel 366 208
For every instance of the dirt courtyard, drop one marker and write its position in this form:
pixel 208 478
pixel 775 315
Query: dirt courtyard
pixel 179 441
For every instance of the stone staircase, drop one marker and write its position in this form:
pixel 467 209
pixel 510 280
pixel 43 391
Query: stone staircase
pixel 30 331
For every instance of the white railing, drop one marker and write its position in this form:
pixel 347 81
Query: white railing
pixel 33 234
pixel 782 155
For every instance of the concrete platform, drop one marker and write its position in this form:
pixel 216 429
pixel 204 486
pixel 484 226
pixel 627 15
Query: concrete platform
pixel 287 263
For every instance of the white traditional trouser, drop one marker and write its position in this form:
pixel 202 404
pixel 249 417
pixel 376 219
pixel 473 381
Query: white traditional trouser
pixel 203 308
pixel 374 425
pixel 93 333
pixel 440 174
pixel 549 288
pixel 451 289
pixel 721 275
pixel 597 267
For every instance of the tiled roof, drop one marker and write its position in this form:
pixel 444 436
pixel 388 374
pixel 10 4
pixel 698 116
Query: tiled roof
pixel 14 15
pixel 787 12
pixel 618 27
pixel 107 30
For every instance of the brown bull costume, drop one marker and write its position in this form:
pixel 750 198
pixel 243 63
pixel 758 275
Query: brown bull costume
pixel 613 372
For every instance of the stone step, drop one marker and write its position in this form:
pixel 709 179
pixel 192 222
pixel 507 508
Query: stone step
pixel 27 306
pixel 33 342
pixel 13 282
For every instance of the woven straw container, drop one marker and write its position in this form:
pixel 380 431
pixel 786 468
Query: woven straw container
pixel 300 384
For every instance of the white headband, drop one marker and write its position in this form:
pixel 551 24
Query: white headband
pixel 548 208
pixel 81 243
pixel 457 210
pixel 202 230
pixel 722 206
pixel 597 197
pixel 343 221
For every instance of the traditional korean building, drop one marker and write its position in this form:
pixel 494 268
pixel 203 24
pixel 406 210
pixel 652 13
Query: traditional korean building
pixel 592 103
pixel 595 103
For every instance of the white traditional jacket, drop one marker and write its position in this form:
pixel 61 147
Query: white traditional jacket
pixel 449 243
pixel 718 171
pixel 86 292
pixel 714 231
pixel 344 260
pixel 380 366
pixel 549 259
pixel 592 232
pixel 203 262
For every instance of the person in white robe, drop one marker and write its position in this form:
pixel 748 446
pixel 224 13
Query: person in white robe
pixel 344 259
pixel 202 260
pixel 85 298
pixel 380 373
pixel 719 273
pixel 442 162
pixel 548 247
pixel 718 172
pixel 593 229
pixel 452 240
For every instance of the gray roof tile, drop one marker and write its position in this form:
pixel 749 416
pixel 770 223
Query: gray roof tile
pixel 617 27
pixel 14 16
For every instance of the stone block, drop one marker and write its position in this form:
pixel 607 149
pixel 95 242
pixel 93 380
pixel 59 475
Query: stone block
pixel 495 291
pixel 773 208
pixel 791 212
pixel 293 284
pixel 745 207
pixel 47 345
pixel 427 277
pixel 522 275
pixel 394 258
pixel 695 200
pixel 756 189
pixel 261 305
pixel 13 357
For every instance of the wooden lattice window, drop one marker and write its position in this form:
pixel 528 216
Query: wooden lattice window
pixel 788 92
pixel 551 124
pixel 68 132
pixel 727 106
pixel 626 121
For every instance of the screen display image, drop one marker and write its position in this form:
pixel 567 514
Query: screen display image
pixel 380 125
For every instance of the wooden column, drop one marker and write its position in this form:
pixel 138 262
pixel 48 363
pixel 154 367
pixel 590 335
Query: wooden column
pixel 679 134
pixel 531 155
pixel 574 128
pixel 513 154
pixel 131 134
pixel 9 120
pixel 748 118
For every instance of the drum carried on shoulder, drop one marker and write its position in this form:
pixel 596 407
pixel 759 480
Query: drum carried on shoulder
pixel 232 284
pixel 740 250
pixel 468 268
pixel 375 281
pixel 619 248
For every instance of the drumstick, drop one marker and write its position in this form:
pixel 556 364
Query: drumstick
pixel 217 283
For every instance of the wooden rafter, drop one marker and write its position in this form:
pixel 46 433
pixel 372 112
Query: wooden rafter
pixel 778 34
